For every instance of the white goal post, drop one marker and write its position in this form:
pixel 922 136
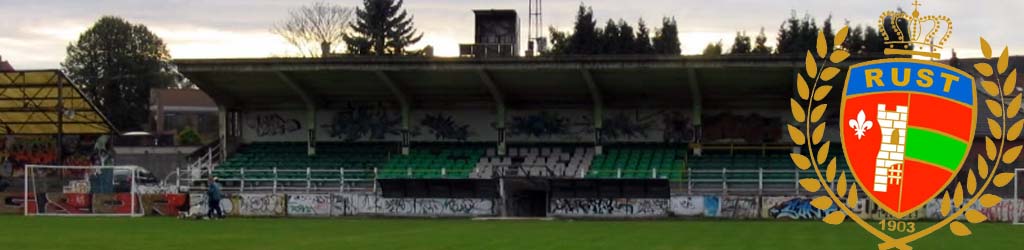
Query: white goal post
pixel 81 191
pixel 1018 177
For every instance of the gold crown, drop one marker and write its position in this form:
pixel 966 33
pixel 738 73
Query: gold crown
pixel 900 45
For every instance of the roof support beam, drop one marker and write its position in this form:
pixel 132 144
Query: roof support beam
pixel 312 103
pixel 499 101
pixel 598 98
pixel 698 104
pixel 403 102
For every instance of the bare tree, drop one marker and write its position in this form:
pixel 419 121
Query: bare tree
pixel 315 29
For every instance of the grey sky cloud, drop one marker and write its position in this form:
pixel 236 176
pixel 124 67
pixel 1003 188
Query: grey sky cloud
pixel 37 32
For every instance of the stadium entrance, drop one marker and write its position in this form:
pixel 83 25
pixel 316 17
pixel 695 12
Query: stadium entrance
pixel 525 197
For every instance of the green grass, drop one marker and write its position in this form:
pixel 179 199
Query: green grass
pixel 154 233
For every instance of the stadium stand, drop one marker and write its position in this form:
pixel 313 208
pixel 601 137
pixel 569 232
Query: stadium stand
pixel 640 162
pixel 434 161
pixel 552 160
pixel 288 161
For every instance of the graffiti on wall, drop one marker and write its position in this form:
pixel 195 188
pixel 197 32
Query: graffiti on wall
pixel 444 127
pixel 752 128
pixel 261 204
pixel 548 125
pixel 309 205
pixel 794 208
pixel 368 204
pixel 360 122
pixel 678 128
pixel 198 204
pixel 627 125
pixel 687 205
pixel 273 125
pixel 608 207
pixel 738 207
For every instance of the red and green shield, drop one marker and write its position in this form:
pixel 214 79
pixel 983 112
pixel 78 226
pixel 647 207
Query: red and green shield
pixel 907 126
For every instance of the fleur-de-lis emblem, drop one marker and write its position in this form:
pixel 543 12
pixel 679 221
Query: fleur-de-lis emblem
pixel 860 126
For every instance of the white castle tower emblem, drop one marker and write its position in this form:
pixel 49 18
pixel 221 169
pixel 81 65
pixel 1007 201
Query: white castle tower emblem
pixel 889 164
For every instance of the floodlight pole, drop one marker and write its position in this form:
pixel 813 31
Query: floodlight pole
pixel 60 122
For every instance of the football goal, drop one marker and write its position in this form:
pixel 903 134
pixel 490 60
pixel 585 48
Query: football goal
pixel 81 191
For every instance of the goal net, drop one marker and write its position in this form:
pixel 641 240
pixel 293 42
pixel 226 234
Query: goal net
pixel 81 191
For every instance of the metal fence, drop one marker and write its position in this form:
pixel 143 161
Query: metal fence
pixel 692 181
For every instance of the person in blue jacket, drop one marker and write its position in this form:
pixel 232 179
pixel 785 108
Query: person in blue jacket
pixel 213 196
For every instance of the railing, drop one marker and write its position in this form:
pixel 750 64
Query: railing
pixel 204 163
pixel 692 181
pixel 746 180
pixel 283 180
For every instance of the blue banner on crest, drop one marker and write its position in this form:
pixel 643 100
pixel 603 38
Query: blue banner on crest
pixel 906 75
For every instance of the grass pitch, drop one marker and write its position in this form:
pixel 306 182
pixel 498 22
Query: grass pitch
pixel 154 233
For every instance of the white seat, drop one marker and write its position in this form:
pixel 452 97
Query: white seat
pixel 545 151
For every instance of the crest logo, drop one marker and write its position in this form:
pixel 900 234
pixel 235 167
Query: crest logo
pixel 907 127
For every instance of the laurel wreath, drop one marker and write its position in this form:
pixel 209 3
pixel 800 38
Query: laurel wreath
pixel 845 195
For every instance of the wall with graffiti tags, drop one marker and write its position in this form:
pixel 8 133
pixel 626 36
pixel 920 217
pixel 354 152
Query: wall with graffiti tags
pixel 380 122
pixel 349 204
pixel 274 126
pixel 261 204
pixel 608 207
pixel 310 205
pixel 374 205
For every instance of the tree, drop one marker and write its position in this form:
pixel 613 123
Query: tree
pixel 855 41
pixel 740 45
pixel 643 39
pixel 797 35
pixel 713 49
pixel 626 39
pixel 116 63
pixel 315 29
pixel 609 38
pixel 382 28
pixel 559 42
pixel 584 39
pixel 761 47
pixel 873 41
pixel 189 136
pixel 826 29
pixel 666 42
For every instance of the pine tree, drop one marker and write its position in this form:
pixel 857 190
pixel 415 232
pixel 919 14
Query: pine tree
pixel 741 44
pixel 643 39
pixel 873 41
pixel 382 28
pixel 797 35
pixel 667 40
pixel 761 47
pixel 584 39
pixel 626 39
pixel 609 38
pixel 830 35
pixel 855 41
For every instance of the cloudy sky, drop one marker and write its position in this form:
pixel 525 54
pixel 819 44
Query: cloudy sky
pixel 36 32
